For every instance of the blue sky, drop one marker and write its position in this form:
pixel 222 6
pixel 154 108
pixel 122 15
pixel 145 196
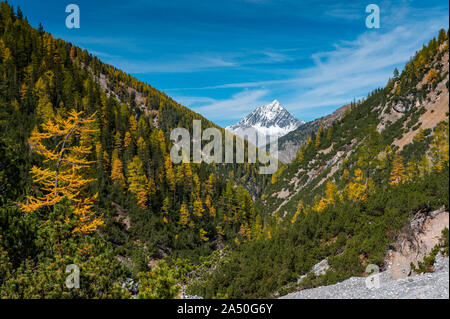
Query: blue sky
pixel 225 58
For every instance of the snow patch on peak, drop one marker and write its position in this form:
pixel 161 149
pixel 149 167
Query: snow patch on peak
pixel 271 120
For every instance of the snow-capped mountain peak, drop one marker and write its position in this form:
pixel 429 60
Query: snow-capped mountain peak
pixel 271 120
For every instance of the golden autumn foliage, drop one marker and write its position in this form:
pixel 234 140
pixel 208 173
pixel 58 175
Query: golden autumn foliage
pixel 210 185
pixel 198 207
pixel 210 207
pixel 127 139
pixel 440 146
pixel 419 137
pixel 300 209
pixel 165 210
pixel 203 234
pixel 273 179
pixel 72 52
pixel 117 172
pixel 137 181
pixel 244 232
pixel 319 136
pixel 329 199
pixel 346 175
pixel 170 176
pixel 355 190
pixel 431 76
pixel 184 215
pixel 65 164
pixel 398 174
pixel 133 125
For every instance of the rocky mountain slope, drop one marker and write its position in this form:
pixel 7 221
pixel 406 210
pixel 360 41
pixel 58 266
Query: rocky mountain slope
pixel 409 104
pixel 271 120
pixel 425 286
pixel 419 239
pixel 352 188
pixel 289 144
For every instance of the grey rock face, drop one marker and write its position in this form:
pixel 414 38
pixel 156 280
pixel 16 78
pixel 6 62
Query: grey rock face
pixel 425 286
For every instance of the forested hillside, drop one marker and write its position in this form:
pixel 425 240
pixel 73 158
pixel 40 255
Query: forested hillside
pixel 86 176
pixel 290 144
pixel 351 188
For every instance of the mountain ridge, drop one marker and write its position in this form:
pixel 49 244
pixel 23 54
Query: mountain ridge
pixel 271 120
pixel 289 144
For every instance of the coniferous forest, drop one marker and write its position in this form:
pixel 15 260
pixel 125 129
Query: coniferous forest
pixel 86 178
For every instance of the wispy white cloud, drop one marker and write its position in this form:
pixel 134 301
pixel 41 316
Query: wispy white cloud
pixel 234 107
pixel 192 100
pixel 102 54
pixel 347 11
pixel 349 71
pixel 357 67
pixel 178 64
pixel 200 61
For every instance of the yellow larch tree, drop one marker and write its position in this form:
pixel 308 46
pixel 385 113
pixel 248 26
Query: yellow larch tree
pixel 319 136
pixel 118 142
pixel 133 125
pixel 127 139
pixel 346 175
pixel 198 205
pixel 64 167
pixel 203 234
pixel 165 209
pixel 431 76
pixel 184 215
pixel 117 170
pixel 439 150
pixel 330 197
pixel 398 174
pixel 244 232
pixel 137 181
pixel 210 185
pixel 355 190
pixel 273 179
pixel 420 136
pixel 170 176
pixel 209 206
pixel 300 209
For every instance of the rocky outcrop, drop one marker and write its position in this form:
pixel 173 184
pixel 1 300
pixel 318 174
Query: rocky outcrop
pixel 289 145
pixel 318 269
pixel 426 286
pixel 416 241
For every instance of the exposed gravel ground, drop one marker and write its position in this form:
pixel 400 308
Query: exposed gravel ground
pixel 425 286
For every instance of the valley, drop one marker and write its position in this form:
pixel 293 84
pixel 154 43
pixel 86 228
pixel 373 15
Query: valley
pixel 88 178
